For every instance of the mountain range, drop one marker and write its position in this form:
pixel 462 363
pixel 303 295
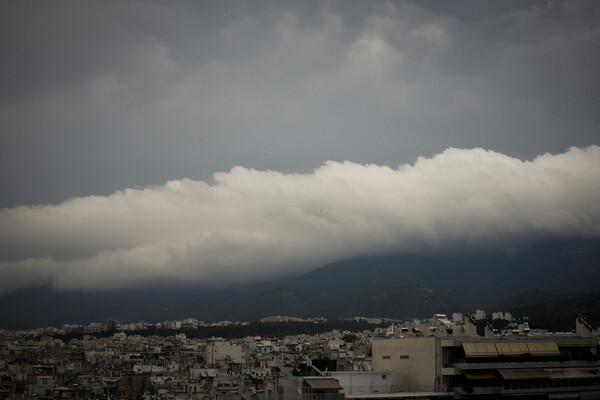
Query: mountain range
pixel 395 286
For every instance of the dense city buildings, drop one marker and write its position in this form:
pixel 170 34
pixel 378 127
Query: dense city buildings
pixel 434 358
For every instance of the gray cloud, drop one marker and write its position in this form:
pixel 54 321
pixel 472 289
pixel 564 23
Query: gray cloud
pixel 251 224
pixel 100 96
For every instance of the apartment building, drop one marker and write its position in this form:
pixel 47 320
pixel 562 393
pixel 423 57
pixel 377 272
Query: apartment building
pixel 464 365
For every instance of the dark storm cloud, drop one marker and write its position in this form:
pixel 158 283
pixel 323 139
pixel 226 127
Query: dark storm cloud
pixel 98 96
pixel 101 96
pixel 249 224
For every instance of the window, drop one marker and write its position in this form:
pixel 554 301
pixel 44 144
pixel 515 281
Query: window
pixel 383 377
pixel 404 357
pixel 386 357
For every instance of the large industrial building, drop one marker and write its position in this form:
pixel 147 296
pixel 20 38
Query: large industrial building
pixel 452 361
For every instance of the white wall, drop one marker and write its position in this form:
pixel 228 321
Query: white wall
pixel 364 382
pixel 220 350
pixel 410 360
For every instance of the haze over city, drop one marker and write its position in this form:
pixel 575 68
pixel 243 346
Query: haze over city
pixel 222 142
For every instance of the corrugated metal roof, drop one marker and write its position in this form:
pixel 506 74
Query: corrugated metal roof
pixel 480 349
pixel 523 374
pixel 323 383
pixel 543 348
pixel 479 375
pixel 580 342
pixel 573 373
pixel 590 395
pixel 512 348
pixel 564 396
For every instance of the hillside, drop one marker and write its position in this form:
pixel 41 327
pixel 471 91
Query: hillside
pixel 528 298
pixel 395 286
pixel 402 302
pixel 560 315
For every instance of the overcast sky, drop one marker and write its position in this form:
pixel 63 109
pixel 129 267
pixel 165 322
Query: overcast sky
pixel 102 103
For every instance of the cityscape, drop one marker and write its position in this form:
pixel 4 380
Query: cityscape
pixel 299 199
pixel 439 357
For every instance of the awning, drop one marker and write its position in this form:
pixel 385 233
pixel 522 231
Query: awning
pixel 581 342
pixel 590 395
pixel 480 349
pixel 543 348
pixel 323 383
pixel 208 373
pixel 479 375
pixel 564 396
pixel 523 374
pixel 512 349
pixel 573 373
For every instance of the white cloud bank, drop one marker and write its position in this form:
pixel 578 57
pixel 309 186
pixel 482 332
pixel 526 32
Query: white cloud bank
pixel 250 224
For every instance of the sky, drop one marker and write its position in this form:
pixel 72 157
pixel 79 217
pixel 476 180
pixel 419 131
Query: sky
pixel 203 142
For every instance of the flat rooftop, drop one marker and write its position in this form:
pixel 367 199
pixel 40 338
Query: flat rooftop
pixel 400 395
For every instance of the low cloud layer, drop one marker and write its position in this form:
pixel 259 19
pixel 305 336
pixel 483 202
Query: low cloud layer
pixel 251 224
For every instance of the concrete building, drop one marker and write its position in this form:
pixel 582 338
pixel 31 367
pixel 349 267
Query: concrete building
pixel 498 315
pixel 457 317
pixel 221 351
pixel 464 365
pixel 321 388
pixel 364 382
pixel 411 361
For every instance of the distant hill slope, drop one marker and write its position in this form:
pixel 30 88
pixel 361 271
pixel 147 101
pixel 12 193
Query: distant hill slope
pixel 560 315
pixel 401 302
pixel 458 277
pixel 559 266
pixel 527 298
pixel 286 301
pixel 42 306
pixel 380 286
pixel 407 301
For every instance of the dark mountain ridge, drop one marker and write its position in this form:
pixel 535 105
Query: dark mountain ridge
pixel 560 315
pixel 395 286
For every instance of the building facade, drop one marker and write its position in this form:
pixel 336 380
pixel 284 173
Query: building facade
pixel 468 366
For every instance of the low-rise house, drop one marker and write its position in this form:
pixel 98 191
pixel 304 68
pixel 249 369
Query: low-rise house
pixel 364 382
